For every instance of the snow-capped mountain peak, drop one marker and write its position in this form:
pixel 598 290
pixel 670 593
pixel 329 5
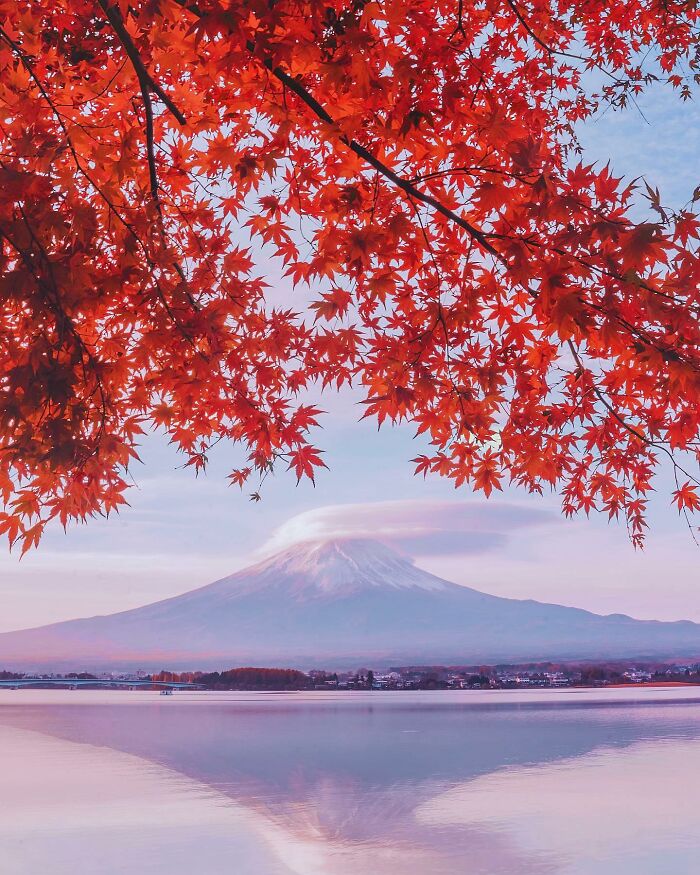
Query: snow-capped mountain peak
pixel 337 567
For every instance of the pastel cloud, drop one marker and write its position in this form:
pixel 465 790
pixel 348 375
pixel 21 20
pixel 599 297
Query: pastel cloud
pixel 425 528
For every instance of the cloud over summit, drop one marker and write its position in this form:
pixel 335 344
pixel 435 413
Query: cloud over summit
pixel 426 528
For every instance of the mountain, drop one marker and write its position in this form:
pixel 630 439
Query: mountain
pixel 335 604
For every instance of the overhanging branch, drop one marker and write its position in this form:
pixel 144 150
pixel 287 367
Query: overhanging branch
pixel 115 19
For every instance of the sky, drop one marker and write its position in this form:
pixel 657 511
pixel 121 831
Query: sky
pixel 180 532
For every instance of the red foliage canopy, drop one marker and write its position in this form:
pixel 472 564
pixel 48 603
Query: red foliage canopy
pixel 414 164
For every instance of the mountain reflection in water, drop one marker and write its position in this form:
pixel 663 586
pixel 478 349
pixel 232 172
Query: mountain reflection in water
pixel 378 783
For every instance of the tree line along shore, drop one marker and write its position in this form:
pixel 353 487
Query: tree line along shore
pixel 505 676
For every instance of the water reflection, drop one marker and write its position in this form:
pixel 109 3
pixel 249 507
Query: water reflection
pixel 68 808
pixel 608 811
pixel 396 784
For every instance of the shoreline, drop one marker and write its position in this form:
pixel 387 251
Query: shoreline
pixel 612 695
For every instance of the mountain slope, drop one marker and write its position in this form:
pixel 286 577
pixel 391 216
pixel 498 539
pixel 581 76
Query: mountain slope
pixel 339 603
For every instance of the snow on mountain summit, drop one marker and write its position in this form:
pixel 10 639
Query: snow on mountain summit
pixel 336 567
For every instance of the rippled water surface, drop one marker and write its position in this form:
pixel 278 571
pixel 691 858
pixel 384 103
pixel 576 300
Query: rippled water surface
pixel 534 783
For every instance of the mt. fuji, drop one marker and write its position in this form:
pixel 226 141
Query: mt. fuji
pixel 340 603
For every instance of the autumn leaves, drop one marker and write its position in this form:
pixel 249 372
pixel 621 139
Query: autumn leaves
pixel 411 165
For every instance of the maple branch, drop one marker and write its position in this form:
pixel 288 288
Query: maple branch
pixel 531 33
pixel 361 151
pixel 459 29
pixel 26 63
pixel 552 51
pixel 615 275
pixel 409 188
pixel 147 85
pixel 150 148
pixel 617 82
pixel 623 422
pixel 115 19
pixel 407 185
pixel 52 297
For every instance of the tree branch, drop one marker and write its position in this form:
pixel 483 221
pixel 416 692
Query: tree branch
pixel 361 151
pixel 115 19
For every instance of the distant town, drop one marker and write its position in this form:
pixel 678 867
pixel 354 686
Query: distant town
pixel 414 677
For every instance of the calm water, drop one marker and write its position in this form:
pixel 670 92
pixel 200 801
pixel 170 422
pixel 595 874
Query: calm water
pixel 500 783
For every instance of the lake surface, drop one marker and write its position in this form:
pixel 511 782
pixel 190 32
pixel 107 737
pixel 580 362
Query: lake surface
pixel 551 782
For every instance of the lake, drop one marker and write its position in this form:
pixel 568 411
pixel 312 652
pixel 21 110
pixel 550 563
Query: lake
pixel 551 782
